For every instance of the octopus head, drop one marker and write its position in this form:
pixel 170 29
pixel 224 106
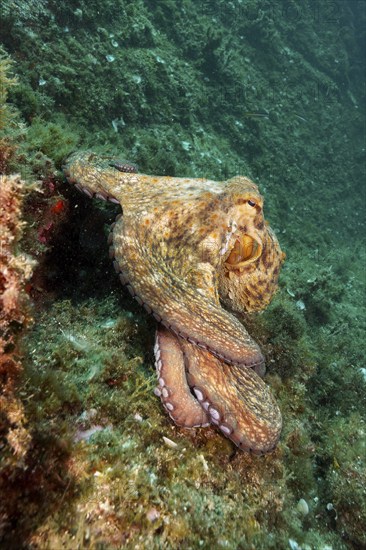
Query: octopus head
pixel 251 255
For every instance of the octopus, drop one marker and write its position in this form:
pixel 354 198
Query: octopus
pixel 196 253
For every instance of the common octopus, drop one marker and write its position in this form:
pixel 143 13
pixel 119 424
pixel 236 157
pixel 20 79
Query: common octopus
pixel 183 247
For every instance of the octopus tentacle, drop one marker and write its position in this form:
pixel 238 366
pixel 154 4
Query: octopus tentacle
pixel 197 389
pixel 95 182
pixel 237 401
pixel 172 388
pixel 189 314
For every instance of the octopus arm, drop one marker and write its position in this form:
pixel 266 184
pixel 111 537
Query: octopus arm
pixel 198 389
pixel 97 176
pixel 172 388
pixel 177 304
pixel 237 401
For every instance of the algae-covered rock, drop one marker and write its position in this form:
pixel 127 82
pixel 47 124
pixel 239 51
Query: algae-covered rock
pixel 213 89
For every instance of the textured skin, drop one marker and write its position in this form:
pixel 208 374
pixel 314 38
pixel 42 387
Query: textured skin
pixel 182 245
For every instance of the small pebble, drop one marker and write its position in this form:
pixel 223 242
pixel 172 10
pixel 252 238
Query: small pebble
pixel 153 514
pixel 169 442
pixel 303 507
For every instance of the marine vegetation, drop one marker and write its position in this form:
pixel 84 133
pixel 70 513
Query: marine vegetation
pixel 6 111
pixel 15 271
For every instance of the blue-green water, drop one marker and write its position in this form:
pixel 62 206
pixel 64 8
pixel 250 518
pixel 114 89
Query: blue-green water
pixel 274 91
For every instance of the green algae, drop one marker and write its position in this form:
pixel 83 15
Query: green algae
pixel 178 99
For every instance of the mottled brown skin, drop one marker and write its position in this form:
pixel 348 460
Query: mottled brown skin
pixel 182 245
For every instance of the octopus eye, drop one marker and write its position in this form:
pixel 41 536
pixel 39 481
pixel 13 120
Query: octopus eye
pixel 245 250
pixel 251 203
